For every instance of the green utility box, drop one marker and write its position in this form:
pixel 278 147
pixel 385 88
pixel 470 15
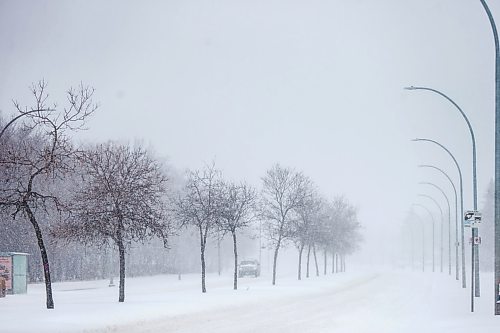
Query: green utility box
pixel 14 269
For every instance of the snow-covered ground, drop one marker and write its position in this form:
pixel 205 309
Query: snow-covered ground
pixel 360 301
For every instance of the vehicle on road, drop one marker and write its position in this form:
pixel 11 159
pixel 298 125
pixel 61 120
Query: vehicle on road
pixel 249 268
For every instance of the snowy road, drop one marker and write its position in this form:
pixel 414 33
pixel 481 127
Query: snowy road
pixel 363 301
pixel 311 312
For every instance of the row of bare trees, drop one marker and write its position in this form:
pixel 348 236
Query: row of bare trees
pixel 289 205
pixel 107 193
pixel 213 205
pixel 295 211
pixel 112 195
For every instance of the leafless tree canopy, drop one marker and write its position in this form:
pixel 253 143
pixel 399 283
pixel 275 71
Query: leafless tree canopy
pixel 307 224
pixel 37 153
pixel 343 228
pixel 121 197
pixel 200 203
pixel 238 206
pixel 283 191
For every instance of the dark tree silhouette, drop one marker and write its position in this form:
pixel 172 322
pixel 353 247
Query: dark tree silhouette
pixel 121 199
pixel 35 157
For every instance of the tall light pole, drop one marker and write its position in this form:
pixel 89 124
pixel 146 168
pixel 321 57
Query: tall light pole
pixel 456 214
pixel 449 224
pixel 464 284
pixel 497 157
pixel 260 242
pixel 423 236
pixel 433 233
pixel 442 222
pixel 475 247
pixel 412 243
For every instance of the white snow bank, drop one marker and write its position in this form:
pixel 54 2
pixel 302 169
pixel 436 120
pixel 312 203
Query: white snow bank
pixel 363 301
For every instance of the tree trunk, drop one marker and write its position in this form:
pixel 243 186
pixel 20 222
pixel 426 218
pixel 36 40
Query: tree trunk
pixel 308 256
pixel 316 260
pixel 121 251
pixel 43 253
pixel 235 281
pixel 275 260
pixel 218 254
pixel 336 263
pixel 333 262
pixel 300 261
pixel 202 257
pixel 325 263
pixel 111 270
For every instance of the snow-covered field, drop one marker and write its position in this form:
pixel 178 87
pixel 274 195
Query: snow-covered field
pixel 360 301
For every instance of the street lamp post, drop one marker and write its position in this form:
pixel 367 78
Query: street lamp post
pixel 433 232
pixel 497 156
pixel 464 284
pixel 23 113
pixel 442 222
pixel 475 247
pixel 423 237
pixel 456 215
pixel 412 244
pixel 449 224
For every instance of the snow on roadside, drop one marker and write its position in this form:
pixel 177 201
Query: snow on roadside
pixel 351 302
pixel 92 304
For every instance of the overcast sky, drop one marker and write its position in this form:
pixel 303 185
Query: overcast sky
pixel 316 85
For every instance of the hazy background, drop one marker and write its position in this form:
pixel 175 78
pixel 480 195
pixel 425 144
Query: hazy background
pixel 315 85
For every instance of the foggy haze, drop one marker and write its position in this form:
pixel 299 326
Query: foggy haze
pixel 316 85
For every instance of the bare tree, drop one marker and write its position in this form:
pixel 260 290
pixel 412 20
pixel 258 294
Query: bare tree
pixel 121 199
pixel 35 157
pixel 315 259
pixel 283 191
pixel 307 225
pixel 199 206
pixel 237 208
pixel 342 231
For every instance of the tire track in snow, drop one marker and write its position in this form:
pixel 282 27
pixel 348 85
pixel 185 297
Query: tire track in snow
pixel 311 312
